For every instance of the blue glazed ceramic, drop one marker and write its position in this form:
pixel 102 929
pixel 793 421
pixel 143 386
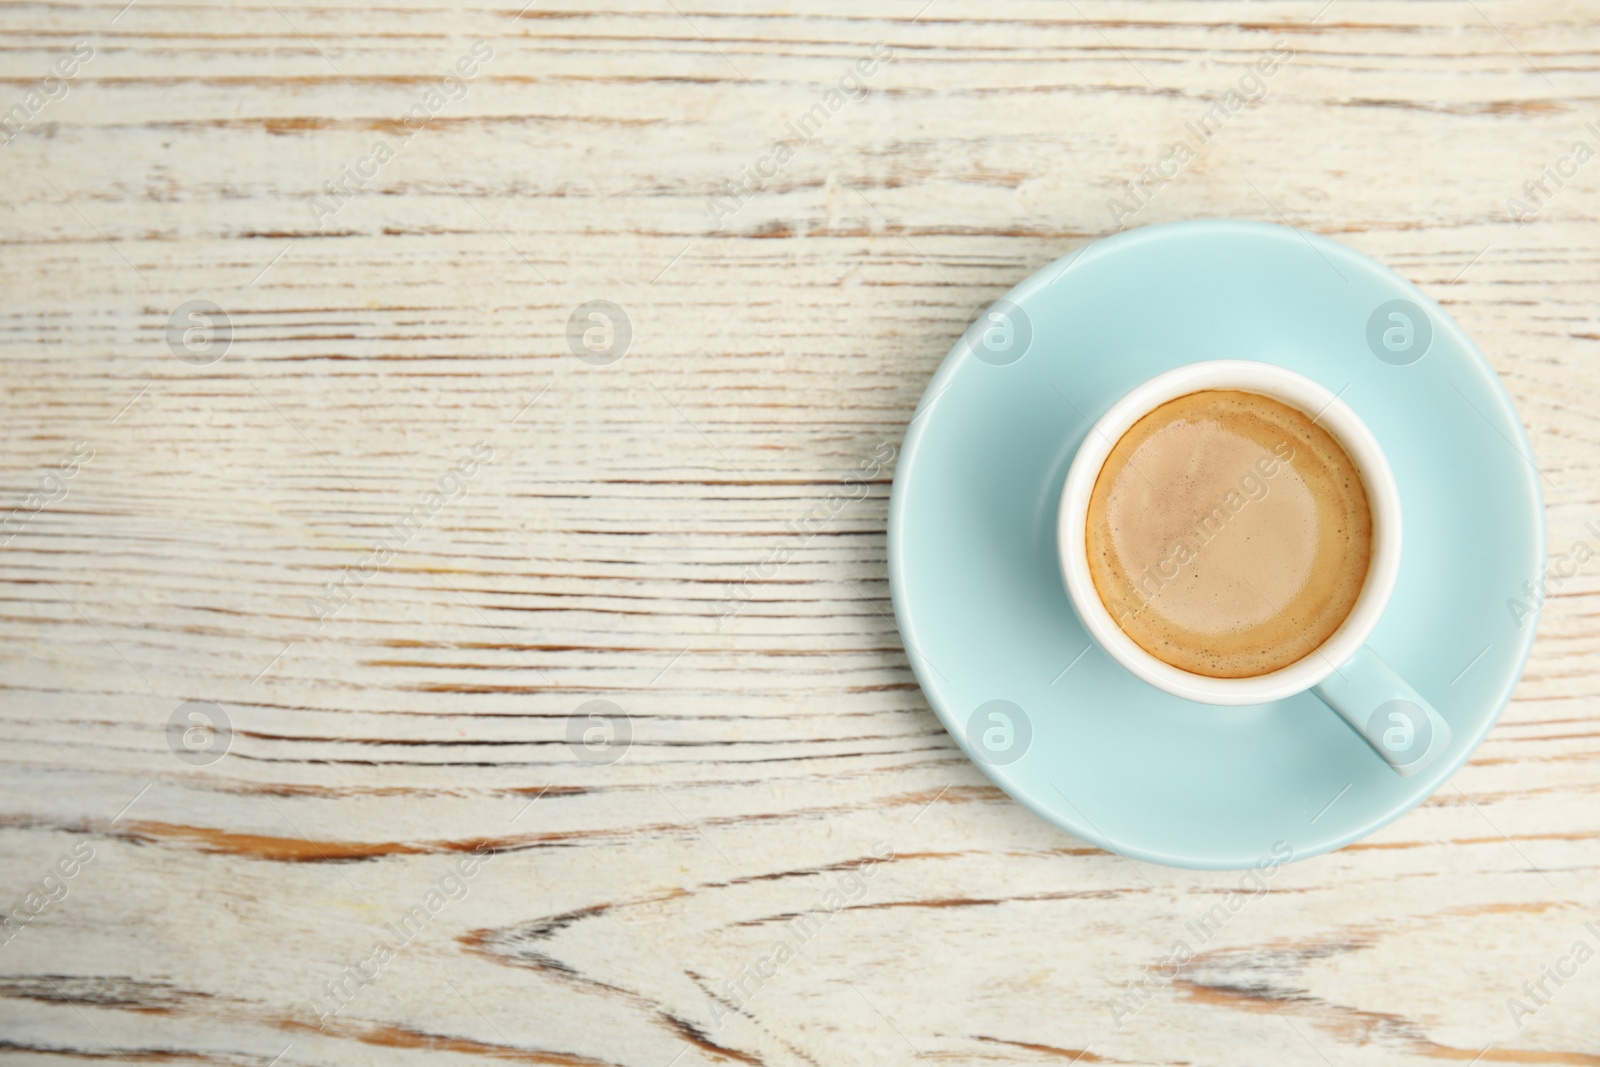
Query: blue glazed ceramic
pixel 977 581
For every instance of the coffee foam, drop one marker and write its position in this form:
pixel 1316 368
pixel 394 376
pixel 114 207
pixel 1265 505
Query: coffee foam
pixel 1228 534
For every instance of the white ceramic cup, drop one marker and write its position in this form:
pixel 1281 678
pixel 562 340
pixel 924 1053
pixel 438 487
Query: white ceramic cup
pixel 1404 728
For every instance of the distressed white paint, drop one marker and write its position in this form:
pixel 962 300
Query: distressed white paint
pixel 373 347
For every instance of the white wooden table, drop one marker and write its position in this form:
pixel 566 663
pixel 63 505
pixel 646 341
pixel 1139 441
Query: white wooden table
pixel 385 312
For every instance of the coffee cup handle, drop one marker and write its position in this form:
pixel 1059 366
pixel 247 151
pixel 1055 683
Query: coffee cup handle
pixel 1393 717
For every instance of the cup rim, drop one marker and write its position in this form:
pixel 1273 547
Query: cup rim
pixel 1329 411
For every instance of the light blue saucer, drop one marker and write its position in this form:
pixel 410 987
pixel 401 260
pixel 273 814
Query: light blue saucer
pixel 977 583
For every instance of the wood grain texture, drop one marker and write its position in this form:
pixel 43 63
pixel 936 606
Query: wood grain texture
pixel 628 912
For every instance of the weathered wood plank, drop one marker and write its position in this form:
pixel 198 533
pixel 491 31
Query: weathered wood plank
pixel 630 910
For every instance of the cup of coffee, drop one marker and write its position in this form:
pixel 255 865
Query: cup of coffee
pixel 1230 533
